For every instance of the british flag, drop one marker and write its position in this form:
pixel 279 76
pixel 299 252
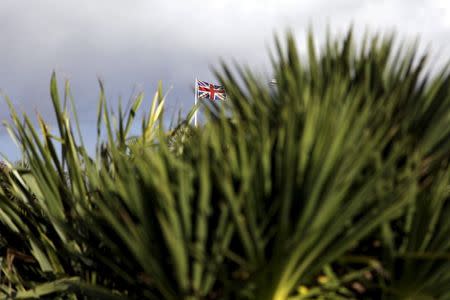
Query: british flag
pixel 210 91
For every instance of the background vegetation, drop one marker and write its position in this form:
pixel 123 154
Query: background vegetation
pixel 332 184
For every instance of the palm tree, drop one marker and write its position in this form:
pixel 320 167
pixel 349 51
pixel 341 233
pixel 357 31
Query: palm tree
pixel 331 184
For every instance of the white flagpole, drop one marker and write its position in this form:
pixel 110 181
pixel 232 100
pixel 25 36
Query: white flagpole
pixel 195 101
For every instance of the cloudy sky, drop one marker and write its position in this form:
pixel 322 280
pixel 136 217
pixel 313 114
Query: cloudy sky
pixel 132 44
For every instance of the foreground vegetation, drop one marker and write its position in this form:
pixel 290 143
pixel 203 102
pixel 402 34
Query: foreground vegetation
pixel 333 184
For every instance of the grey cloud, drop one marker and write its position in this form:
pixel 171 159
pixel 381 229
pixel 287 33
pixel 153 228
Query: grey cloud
pixel 135 43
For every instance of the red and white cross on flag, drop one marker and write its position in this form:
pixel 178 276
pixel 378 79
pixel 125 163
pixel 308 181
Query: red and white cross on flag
pixel 210 91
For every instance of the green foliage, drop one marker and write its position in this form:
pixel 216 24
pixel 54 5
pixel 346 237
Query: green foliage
pixel 280 195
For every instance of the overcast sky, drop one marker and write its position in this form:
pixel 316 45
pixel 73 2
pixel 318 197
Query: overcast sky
pixel 133 44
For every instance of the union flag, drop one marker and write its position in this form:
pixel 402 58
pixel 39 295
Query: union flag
pixel 210 91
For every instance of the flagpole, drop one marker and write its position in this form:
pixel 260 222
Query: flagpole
pixel 195 102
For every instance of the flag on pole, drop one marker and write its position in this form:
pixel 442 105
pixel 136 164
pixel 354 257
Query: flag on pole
pixel 210 91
